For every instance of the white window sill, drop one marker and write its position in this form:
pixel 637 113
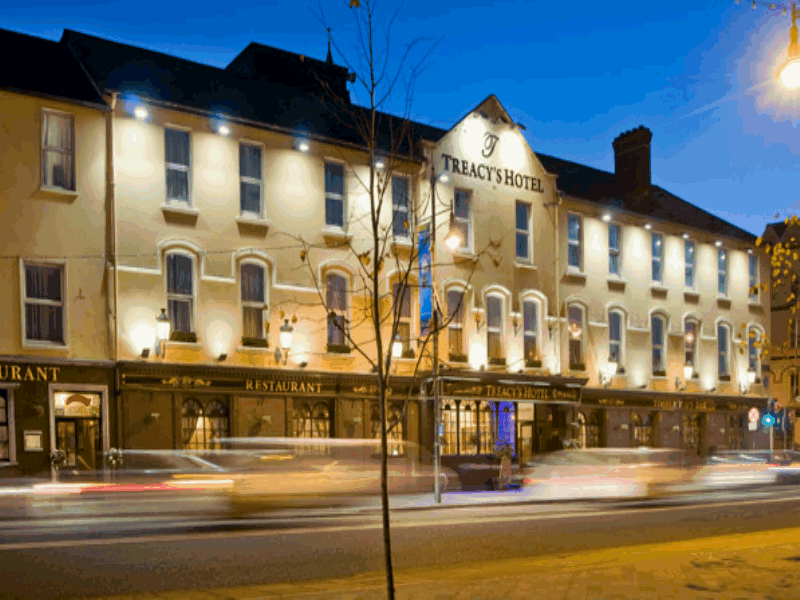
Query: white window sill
pixel 616 280
pixel 754 303
pixel 333 233
pixel 659 287
pixel 465 253
pixel 254 221
pixel 723 298
pixel 58 191
pixel 187 345
pixel 401 243
pixel 521 264
pixel 659 378
pixel 691 293
pixel 42 345
pixel 256 349
pixel 573 272
pixel 339 356
pixel 181 209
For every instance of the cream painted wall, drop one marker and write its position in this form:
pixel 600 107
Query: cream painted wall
pixel 38 223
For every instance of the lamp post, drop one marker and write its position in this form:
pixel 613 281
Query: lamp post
pixel 163 327
pixel 789 72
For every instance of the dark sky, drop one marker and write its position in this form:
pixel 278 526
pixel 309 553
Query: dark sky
pixel 699 75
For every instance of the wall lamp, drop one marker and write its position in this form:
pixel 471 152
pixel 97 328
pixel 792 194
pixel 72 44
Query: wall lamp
pixel 302 145
pixel 163 327
pixel 223 129
pixel 606 217
pixel 141 113
pixel 145 352
pixel 222 357
pixel 688 372
pixel 746 386
pixel 607 374
pixel 286 335
pixel 453 239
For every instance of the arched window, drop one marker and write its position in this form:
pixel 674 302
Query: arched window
pixel 691 333
pixel 575 316
pixel 202 428
pixel 593 431
pixel 254 304
pixel 468 427
pixel 583 441
pixel 616 319
pixel 494 329
pixel 643 430
pixel 658 326
pixel 724 351
pixel 336 300
pixel 218 423
pixel 449 429
pixel 487 427
pixel 530 326
pixel 691 431
pixel 180 292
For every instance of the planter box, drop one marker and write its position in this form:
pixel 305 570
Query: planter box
pixel 180 336
pixel 255 342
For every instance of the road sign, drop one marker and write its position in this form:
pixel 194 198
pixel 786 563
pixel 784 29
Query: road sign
pixel 752 426
pixel 753 415
pixel 768 420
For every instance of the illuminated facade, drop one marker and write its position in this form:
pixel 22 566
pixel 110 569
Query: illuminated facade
pixel 233 215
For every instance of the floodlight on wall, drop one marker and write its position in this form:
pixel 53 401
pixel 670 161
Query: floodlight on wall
pixel 443 178
pixel 685 235
pixel 302 145
pixel 606 217
pixel 141 113
pixel 453 239
pixel 648 226
pixel 397 347
pixel 688 371
pixel 751 377
pixel 223 129
pixel 379 163
pixel 718 244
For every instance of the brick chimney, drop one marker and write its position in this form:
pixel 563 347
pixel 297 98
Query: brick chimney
pixel 632 160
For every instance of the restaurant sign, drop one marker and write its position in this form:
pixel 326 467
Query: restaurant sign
pixel 512 391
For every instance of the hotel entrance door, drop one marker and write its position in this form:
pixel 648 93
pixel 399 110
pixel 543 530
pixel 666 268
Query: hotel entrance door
pixel 77 421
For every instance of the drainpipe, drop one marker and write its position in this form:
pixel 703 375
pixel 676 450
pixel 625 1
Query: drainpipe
pixel 111 251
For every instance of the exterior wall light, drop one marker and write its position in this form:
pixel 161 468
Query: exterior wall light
pixel 606 217
pixel 286 335
pixel 443 178
pixel 140 112
pixel 222 357
pixel 163 327
pixel 379 163
pixel 789 72
pixel 145 352
pixel 607 374
pixel 749 250
pixel 648 226
pixel 685 235
pixel 302 146
pixel 688 371
pixel 718 243
pixel 397 347
pixel 223 130
pixel 453 238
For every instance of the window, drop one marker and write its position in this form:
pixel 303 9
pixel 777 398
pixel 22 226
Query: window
pixel 523 231
pixel 613 249
pixel 401 221
pixel 754 351
pixel 44 303
pixel 530 326
pixel 6 427
pixel 254 307
pixel 334 194
pixel 487 427
pixel 657 327
pixel 180 292
pixel 657 242
pixel 449 441
pixel 691 332
pixel 203 427
pixel 401 297
pixel 58 150
pixel 575 316
pixel 494 328
pixel 753 278
pixel 722 269
pixel 688 247
pixel 615 320
pixel 395 426
pixel 462 210
pixel 177 156
pixel 574 239
pixel 643 430
pixel 455 326
pixel 336 300
pixel 471 427
pixel 250 183
pixel 311 420
pixel 723 347
pixel 468 428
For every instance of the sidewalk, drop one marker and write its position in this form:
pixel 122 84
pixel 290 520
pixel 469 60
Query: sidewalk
pixel 758 565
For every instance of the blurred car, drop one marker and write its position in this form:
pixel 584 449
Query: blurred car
pixel 275 473
pixel 609 473
pixel 731 468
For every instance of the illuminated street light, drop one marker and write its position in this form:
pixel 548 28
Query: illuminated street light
pixel 789 72
pixel 453 238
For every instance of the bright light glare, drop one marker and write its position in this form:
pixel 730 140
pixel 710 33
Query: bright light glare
pixel 452 240
pixel 224 130
pixel 302 146
pixel 140 112
pixel 790 75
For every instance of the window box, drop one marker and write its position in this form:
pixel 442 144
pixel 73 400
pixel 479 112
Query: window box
pixel 659 373
pixel 533 364
pixel 338 349
pixel 457 358
pixel 577 366
pixel 409 353
pixel 250 342
pixel 180 336
pixel 500 362
pixel 724 377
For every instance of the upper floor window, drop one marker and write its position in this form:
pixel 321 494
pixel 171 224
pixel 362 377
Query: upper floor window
pixel 334 194
pixel 401 295
pixel 523 218
pixel 575 317
pixel 724 350
pixel 180 292
pixel 753 278
pixel 657 243
pixel 658 329
pixel 455 325
pixel 754 352
pixel 689 252
pixel 44 303
pixel 691 333
pixel 336 286
pixel 574 239
pixel 615 321
pixel 254 306
pixel 530 326
pixel 58 150
pixel 462 207
pixel 494 327
pixel 400 209
pixel 613 249
pixel 722 271
pixel 177 157
pixel 250 184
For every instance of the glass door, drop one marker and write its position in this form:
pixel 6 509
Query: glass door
pixel 79 439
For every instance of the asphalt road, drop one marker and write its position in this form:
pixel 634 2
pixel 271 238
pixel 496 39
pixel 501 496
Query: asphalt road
pixel 84 557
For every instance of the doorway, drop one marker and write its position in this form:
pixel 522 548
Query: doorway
pixel 78 427
pixel 526 448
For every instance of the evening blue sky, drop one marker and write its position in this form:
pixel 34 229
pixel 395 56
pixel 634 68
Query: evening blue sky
pixel 700 76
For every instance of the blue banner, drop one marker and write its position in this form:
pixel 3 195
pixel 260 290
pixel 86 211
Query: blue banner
pixel 425 303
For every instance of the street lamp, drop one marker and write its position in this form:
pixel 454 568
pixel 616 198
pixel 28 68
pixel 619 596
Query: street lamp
pixel 163 327
pixel 789 72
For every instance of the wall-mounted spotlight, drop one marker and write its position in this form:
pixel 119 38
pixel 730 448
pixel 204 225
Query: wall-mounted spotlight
pixel 302 146
pixel 140 112
pixel 379 163
pixel 443 178
pixel 303 364
pixel 222 357
pixel 685 235
pixel 749 250
pixel 718 243
pixel 648 226
pixel 223 129
pixel 606 217
pixel 145 352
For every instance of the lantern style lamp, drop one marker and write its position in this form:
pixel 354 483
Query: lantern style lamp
pixel 163 327
pixel 453 238
pixel 397 347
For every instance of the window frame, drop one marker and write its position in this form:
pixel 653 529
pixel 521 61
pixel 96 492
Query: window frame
pixel 44 149
pixel 261 214
pixel 657 260
pixel 689 266
pixel 581 364
pixel 466 246
pixel 660 344
pixel 333 196
pixel 178 167
pixel 726 374
pixel 530 361
pixel 754 298
pixel 263 306
pixel 722 274
pixel 457 324
pixel 621 342
pixel 696 346
pixel 527 232
pixel 497 330
pixel 10 424
pixel 751 349
pixel 340 312
pixel 615 252
pixel 578 243
pixel 35 343
pixel 409 320
pixel 179 297
pixel 406 209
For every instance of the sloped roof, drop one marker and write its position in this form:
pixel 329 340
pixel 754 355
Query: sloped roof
pixel 37 66
pixel 602 188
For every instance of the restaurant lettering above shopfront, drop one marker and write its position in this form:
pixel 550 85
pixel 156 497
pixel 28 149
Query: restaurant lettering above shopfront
pixel 310 388
pixel 28 373
pixel 511 392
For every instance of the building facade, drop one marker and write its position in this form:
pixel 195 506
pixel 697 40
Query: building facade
pixel 232 204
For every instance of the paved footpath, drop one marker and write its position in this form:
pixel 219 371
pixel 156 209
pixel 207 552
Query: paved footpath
pixel 736 567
